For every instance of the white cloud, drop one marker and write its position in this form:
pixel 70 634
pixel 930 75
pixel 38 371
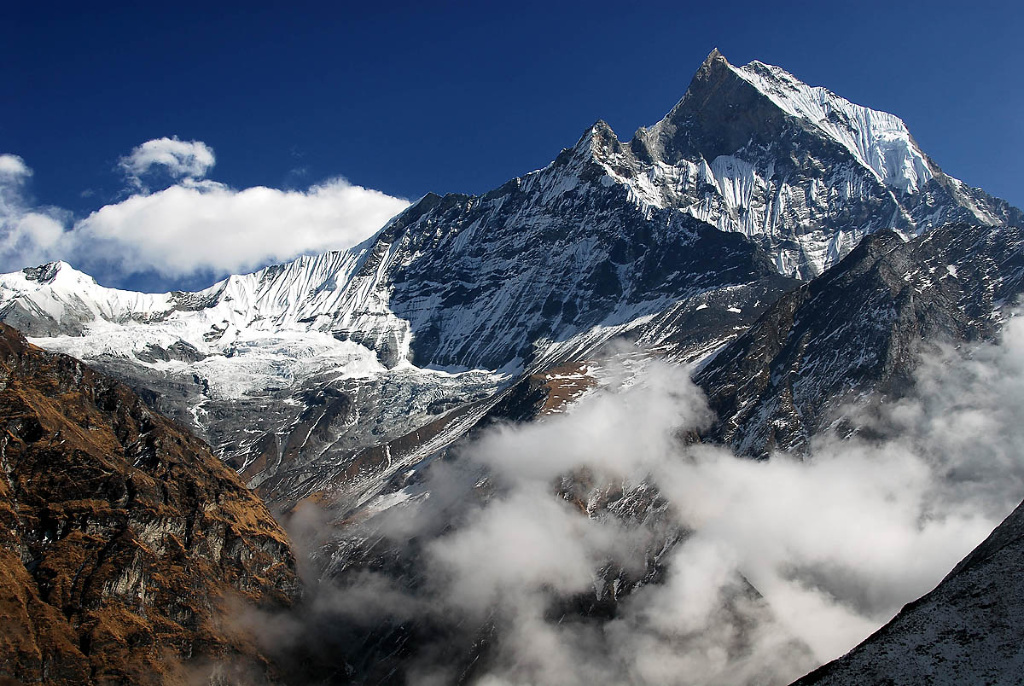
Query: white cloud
pixel 28 235
pixel 179 159
pixel 13 168
pixel 184 230
pixel 196 227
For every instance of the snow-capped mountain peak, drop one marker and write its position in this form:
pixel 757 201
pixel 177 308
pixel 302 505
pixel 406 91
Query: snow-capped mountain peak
pixel 879 140
pixel 60 294
pixel 58 272
pixel 755 150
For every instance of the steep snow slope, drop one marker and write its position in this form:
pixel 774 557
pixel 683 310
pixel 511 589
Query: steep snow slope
pixel 878 140
pixel 551 265
pixel 799 169
pixel 309 294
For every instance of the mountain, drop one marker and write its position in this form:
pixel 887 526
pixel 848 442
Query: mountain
pixel 965 631
pixel 795 247
pixel 852 335
pixel 124 539
pixel 338 372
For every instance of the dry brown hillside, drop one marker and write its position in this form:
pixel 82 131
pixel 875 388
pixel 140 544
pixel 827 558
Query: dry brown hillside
pixel 122 537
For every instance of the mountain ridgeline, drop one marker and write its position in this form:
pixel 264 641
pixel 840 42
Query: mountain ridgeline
pixel 858 330
pixel 965 631
pixel 797 248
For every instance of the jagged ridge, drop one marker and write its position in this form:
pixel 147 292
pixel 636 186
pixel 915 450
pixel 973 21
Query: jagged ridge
pixel 857 330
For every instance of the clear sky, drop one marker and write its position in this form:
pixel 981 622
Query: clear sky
pixel 449 96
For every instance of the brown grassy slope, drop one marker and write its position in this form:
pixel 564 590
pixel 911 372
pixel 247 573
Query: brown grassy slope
pixel 121 535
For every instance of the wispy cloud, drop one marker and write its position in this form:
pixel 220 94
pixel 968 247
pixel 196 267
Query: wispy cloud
pixel 189 160
pixel 13 168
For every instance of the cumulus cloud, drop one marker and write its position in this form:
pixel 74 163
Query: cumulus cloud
pixel 720 569
pixel 13 168
pixel 177 158
pixel 183 230
pixel 194 228
pixel 28 234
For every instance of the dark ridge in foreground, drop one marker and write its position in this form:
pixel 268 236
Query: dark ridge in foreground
pixel 123 537
pixel 968 630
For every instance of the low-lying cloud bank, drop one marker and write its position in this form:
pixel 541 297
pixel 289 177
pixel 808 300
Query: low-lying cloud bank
pixel 193 227
pixel 600 547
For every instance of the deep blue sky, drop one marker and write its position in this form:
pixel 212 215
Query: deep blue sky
pixel 446 96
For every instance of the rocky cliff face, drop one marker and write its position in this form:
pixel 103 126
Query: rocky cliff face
pixel 124 539
pixel 857 331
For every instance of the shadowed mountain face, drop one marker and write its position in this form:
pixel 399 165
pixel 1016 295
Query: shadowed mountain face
pixel 858 330
pixel 124 538
pixel 545 267
pixel 966 631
